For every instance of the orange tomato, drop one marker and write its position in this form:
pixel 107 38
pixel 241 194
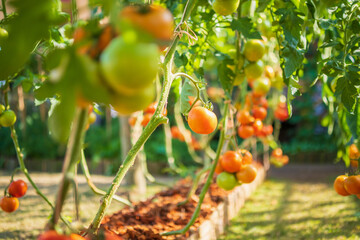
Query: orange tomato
pixel 259 112
pixel 201 120
pixel 132 121
pixel 195 144
pixel 218 168
pixel 284 159
pixel 352 184
pixel 146 119
pixel 231 162
pixel 339 185
pixel 258 125
pixel 354 163
pixel 277 153
pixel 244 117
pixel 245 131
pixel 354 152
pixel 9 204
pixel 247 174
pixel 246 156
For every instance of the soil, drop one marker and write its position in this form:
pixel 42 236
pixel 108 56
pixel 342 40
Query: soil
pixel 162 213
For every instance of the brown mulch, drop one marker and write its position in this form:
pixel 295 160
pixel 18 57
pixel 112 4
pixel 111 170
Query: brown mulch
pixel 161 213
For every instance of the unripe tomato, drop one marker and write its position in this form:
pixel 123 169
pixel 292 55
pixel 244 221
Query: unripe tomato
pixel 259 112
pixel 258 125
pixel 244 117
pixel 254 50
pixel 247 174
pixel 269 72
pixel 129 67
pixel 246 156
pixel 261 86
pixel 126 104
pixel 9 204
pixel 3 34
pixel 239 78
pixel 277 152
pixel 245 131
pixel 354 152
pixel 201 120
pixel 339 185
pixel 153 19
pixel 254 70
pixel 92 118
pixel 2 109
pixel 226 181
pixel 7 118
pixel 225 7
pixel 352 184
pixel 231 162
pixel 277 82
pixel 17 188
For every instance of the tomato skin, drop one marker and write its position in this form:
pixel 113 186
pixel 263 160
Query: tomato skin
pixel 245 131
pixel 269 72
pixel 277 152
pixel 261 86
pixel 53 235
pixel 354 152
pixel 129 67
pixel 9 204
pixel 352 184
pixel 225 7
pixel 146 119
pixel 17 188
pixel 254 70
pixel 246 156
pixel 281 112
pixel 231 162
pixel 219 169
pixel 153 19
pixel 126 104
pixel 258 125
pixel 259 112
pixel 202 120
pixel 354 163
pixel 7 118
pixel 244 117
pixel 247 174
pixel 254 50
pixel 339 185
pixel 226 181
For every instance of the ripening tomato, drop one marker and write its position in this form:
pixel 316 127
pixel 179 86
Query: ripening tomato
pixel 269 72
pixel 225 7
pixel 151 108
pixel 247 174
pixel 259 112
pixel 262 102
pixel 132 121
pixel 7 118
pixel 129 67
pixel 226 181
pixel 246 156
pixel 354 152
pixel 281 114
pixel 231 162
pixel 126 104
pixel 17 188
pixel 354 163
pixel 258 125
pixel 201 120
pixel 339 185
pixel 244 117
pixel 277 152
pixel 352 184
pixel 153 19
pixel 254 70
pixel 92 118
pixel 261 86
pixel 3 34
pixel 246 131
pixel 9 204
pixel 146 119
pixel 254 50
pixel 219 169
pixel 267 130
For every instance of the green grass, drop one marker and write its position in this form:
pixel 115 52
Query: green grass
pixel 283 209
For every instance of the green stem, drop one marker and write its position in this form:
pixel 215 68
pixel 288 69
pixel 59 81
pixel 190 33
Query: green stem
pixel 3 4
pixel 71 159
pixel 208 181
pixel 155 121
pixel 92 186
pixel 74 11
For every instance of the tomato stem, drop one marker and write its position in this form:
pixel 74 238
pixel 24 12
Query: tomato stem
pixel 3 8
pixel 208 181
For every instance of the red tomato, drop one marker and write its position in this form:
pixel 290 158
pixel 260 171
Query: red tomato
pixel 17 188
pixel 245 131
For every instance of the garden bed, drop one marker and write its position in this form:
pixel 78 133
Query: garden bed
pixel 161 212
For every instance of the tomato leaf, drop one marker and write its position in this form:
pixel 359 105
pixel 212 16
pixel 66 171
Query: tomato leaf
pixel 226 76
pixel 293 59
pixel 353 121
pixel 187 90
pixel 291 24
pixel 246 27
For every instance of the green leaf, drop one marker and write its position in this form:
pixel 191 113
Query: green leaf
pixel 347 92
pixel 353 121
pixel 291 24
pixel 246 27
pixel 226 75
pixel 187 90
pixel 262 5
pixel 293 59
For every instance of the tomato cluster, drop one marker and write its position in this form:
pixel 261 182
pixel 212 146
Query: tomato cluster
pixel 347 185
pixel 7 117
pixel 235 168
pixel 278 159
pixel 16 189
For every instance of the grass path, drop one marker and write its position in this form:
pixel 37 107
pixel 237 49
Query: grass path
pixel 293 206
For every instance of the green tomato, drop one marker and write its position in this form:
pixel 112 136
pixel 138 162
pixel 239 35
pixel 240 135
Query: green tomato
pixel 254 70
pixel 2 108
pixel 261 86
pixel 125 104
pixel 254 50
pixel 226 181
pixel 239 78
pixel 7 118
pixel 129 67
pixel 3 34
pixel 225 7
